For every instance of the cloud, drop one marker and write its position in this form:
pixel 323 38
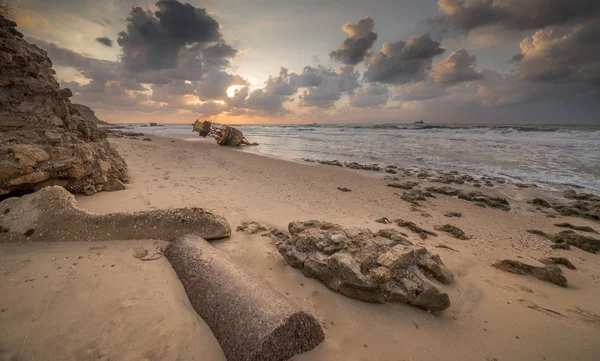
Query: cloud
pixel 105 41
pixel 271 98
pixel 467 15
pixel 215 83
pixel 176 33
pixel 458 67
pixel 423 90
pixel 373 95
pixel 403 62
pixel 325 86
pixel 361 38
pixel 562 55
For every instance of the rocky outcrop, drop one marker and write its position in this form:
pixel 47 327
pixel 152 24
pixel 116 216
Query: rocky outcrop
pixel 588 244
pixel 478 198
pixel 549 273
pixel 52 215
pixel 44 139
pixel 88 114
pixel 381 267
pixel 453 231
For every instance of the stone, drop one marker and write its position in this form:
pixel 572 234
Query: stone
pixel 381 267
pixel 250 320
pixel 383 220
pixel 405 185
pixel 548 273
pixel 416 195
pixel 453 231
pixel 452 214
pixel 539 233
pixel 344 189
pixel 147 139
pixel 423 233
pixel 541 202
pixel 48 134
pixel 558 260
pixel 577 228
pixel 560 246
pixel 251 228
pixel 43 210
pixel 573 238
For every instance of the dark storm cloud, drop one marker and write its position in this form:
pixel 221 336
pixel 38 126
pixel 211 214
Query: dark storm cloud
pixel 554 56
pixel 325 86
pixel 361 38
pixel 373 95
pixel 466 15
pixel 105 41
pixel 403 62
pixel 154 41
pixel 458 67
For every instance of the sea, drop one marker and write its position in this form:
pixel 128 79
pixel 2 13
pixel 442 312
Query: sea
pixel 551 156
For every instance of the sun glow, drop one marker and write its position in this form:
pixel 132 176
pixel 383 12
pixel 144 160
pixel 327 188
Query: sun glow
pixel 232 89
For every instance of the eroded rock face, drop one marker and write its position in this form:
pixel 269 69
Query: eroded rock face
pixel 382 267
pixel 43 137
pixel 52 215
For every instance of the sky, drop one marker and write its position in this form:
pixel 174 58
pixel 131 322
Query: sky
pixel 324 61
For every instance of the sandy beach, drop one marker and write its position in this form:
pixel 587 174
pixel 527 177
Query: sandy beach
pixel 97 301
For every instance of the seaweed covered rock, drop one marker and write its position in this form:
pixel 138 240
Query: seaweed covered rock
pixel 588 244
pixel 549 272
pixel 44 139
pixel 382 267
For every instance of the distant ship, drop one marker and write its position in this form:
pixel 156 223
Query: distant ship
pixel 419 121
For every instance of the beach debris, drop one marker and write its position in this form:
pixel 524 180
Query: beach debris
pixel 383 220
pixel 344 189
pixel 43 210
pixel 453 231
pixel 423 233
pixel 46 140
pixel 541 202
pixel 416 195
pixel 408 185
pixel 548 273
pixel 577 228
pixel 250 320
pixel 558 260
pixel 224 135
pixel 452 214
pixel 381 267
pixel 588 244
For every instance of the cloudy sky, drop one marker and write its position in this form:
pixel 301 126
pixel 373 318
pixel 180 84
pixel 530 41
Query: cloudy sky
pixel 277 61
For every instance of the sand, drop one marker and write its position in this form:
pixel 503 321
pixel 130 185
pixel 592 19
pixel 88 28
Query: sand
pixel 138 310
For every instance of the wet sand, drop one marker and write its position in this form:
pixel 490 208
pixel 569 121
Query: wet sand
pixel 138 310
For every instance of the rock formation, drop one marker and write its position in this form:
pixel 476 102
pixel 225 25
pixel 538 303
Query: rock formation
pixel 44 139
pixel 52 215
pixel 382 267
pixel 549 273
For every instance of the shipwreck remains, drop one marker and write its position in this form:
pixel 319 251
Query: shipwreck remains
pixel 250 319
pixel 224 135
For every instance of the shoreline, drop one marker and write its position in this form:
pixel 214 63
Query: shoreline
pixel 493 314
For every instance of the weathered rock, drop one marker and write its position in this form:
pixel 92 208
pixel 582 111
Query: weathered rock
pixel 251 228
pixel 558 260
pixel 384 267
pixel 42 133
pixel 548 273
pixel 560 246
pixel 577 228
pixel 250 319
pixel 485 200
pixel 541 202
pixel 383 220
pixel 453 231
pixel 344 189
pixel 448 191
pixel 572 238
pixel 539 233
pixel 423 233
pixel 52 215
pixel 416 195
pixel 452 214
pixel 405 185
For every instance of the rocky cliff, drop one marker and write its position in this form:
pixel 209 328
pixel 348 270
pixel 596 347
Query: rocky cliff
pixel 44 139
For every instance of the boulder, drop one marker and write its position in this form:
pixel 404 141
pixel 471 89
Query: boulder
pixel 43 135
pixel 381 267
pixel 250 320
pixel 52 215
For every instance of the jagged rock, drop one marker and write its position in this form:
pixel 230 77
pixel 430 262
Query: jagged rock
pixel 541 202
pixel 452 214
pixel 43 135
pixel 251 228
pixel 414 228
pixel 573 238
pixel 86 112
pixel 577 228
pixel 448 191
pixel 453 231
pixel 548 273
pixel 558 260
pixel 485 200
pixel 382 267
pixel 52 215
pixel 416 195
pixel 405 185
